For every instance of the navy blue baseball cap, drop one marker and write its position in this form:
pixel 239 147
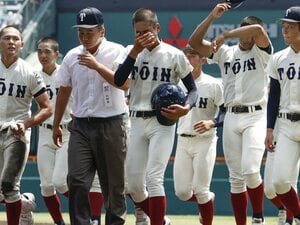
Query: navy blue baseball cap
pixel 235 3
pixel 292 14
pixel 89 17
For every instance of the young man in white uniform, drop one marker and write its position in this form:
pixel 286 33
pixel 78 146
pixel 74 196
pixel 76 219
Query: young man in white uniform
pixel 19 84
pixel 284 110
pixel 245 92
pixel 151 62
pixel 197 141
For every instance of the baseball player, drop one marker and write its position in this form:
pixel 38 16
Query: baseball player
pixel 97 130
pixel 284 109
pixel 285 216
pixel 151 62
pixel 19 85
pixel 245 89
pixel 197 141
pixel 52 160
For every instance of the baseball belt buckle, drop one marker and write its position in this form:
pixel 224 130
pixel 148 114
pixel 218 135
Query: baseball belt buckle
pixel 294 117
pixel 238 109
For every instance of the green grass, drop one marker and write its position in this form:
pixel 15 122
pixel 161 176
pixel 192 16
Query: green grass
pixel 44 218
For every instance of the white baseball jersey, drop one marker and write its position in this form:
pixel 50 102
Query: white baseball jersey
pixel 284 66
pixel 18 84
pixel 105 100
pixel 52 87
pixel 163 64
pixel 244 79
pixel 210 97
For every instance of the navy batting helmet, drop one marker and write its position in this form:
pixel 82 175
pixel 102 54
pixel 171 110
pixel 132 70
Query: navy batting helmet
pixel 164 95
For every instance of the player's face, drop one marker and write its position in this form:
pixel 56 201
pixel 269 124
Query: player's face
pixel 194 58
pixel 246 43
pixel 91 38
pixel 10 42
pixel 291 33
pixel 142 27
pixel 47 56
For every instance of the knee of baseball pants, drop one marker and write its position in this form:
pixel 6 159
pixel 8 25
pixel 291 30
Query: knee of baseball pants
pixel 47 190
pixel 183 193
pixel 155 186
pixel 269 190
pixel 138 194
pixel 10 192
pixel 237 185
pixel 252 180
pixel 61 187
pixel 281 185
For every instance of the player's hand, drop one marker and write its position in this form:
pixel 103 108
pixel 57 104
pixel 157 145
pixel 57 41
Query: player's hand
pixel 203 125
pixel 18 129
pixel 219 10
pixel 269 141
pixel 142 41
pixel 57 136
pixel 173 112
pixel 217 43
pixel 88 60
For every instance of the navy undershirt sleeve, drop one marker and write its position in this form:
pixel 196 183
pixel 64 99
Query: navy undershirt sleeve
pixel 43 90
pixel 124 71
pixel 220 117
pixel 190 85
pixel 273 103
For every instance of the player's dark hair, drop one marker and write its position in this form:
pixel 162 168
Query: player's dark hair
pixel 53 42
pixel 250 20
pixel 144 15
pixel 10 26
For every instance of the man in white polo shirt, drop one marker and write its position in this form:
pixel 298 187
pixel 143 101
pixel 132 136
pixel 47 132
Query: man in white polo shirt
pixel 97 131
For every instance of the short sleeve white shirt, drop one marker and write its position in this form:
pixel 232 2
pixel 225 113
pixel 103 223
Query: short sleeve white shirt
pixel 93 96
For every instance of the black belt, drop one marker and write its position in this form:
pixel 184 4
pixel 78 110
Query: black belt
pixel 99 119
pixel 290 116
pixel 243 109
pixel 143 114
pixel 49 126
pixel 188 135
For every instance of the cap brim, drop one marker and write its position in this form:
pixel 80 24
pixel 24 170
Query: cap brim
pixel 288 20
pixel 86 26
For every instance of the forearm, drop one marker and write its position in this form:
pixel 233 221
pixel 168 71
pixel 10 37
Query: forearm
pixel 42 115
pixel 61 103
pixel 190 85
pixel 196 40
pixel 273 103
pixel 108 75
pixel 255 31
pixel 124 71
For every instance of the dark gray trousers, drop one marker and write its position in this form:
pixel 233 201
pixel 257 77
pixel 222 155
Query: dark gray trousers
pixel 97 144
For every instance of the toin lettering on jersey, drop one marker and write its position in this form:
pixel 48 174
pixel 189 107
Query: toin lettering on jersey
pixel 291 73
pixel 239 66
pixel 155 73
pixel 12 89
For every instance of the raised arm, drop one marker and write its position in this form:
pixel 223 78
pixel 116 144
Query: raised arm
pixel 255 32
pixel 196 40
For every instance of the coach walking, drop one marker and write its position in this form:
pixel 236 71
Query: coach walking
pixel 97 132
